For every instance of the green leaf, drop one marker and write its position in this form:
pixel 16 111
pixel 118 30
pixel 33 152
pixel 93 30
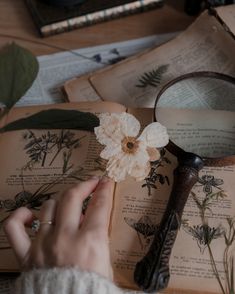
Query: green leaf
pixel 18 70
pixel 55 119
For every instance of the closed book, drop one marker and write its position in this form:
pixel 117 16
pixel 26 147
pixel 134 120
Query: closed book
pixel 52 20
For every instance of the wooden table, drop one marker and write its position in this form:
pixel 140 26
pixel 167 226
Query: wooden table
pixel 17 23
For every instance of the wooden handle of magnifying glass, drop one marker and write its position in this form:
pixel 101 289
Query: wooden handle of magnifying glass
pixel 152 272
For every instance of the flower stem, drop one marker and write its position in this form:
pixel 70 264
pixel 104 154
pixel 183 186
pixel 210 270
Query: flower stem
pixel 214 268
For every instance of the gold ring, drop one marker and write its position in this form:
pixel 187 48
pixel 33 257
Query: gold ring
pixel 46 223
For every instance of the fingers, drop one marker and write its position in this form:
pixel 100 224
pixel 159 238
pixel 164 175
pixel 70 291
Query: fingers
pixel 98 212
pixel 47 213
pixel 70 206
pixel 16 233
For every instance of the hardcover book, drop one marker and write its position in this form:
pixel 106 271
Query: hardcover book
pixel 54 20
pixel 36 168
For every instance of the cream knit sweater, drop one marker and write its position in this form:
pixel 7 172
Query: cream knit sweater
pixel 64 281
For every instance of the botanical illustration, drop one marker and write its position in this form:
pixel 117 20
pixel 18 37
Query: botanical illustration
pixel 144 228
pixel 205 234
pixel 42 149
pixel 154 176
pixel 49 145
pixel 152 78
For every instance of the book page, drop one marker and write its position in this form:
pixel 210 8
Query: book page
pixel 227 16
pixel 56 69
pixel 41 164
pixel 205 45
pixel 80 88
pixel 208 133
pixel 138 209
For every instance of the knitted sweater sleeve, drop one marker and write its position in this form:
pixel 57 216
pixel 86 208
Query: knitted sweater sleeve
pixel 64 281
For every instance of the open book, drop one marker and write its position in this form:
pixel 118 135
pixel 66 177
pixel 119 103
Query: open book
pixel 207 45
pixel 37 164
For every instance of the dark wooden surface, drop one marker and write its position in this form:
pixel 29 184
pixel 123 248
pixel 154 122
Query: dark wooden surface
pixel 16 22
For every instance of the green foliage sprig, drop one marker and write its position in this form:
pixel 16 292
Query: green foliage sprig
pixel 55 119
pixel 153 77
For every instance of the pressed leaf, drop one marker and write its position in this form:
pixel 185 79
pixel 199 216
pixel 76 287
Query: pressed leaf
pixel 55 119
pixel 18 70
pixel 153 77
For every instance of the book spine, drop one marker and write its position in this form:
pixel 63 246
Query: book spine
pixel 99 16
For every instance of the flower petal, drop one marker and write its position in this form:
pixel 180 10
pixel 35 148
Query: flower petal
pixel 130 126
pixel 140 172
pixel 123 164
pixel 117 167
pixel 153 153
pixel 110 151
pixel 139 167
pixel 155 135
pixel 115 126
pixel 109 130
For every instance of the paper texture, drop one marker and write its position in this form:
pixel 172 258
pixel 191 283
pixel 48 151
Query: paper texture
pixel 227 15
pixel 205 45
pixel 41 163
pixel 56 69
pixel 137 207
pixel 208 133
pixel 138 210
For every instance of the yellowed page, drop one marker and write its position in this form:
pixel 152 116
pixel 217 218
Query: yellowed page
pixel 137 210
pixel 80 89
pixel 227 15
pixel 208 133
pixel 29 173
pixel 203 46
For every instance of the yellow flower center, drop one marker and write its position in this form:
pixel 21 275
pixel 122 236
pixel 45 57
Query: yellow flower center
pixel 129 145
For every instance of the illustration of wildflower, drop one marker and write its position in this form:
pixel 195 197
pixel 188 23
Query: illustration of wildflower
pixel 208 182
pixel 204 234
pixel 154 175
pixel 39 147
pixel 144 227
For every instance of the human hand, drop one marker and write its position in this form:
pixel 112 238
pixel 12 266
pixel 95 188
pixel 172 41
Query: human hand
pixel 71 240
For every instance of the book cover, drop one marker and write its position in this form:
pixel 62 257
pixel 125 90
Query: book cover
pixel 54 20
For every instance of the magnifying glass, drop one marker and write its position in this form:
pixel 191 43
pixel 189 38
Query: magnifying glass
pixel 202 133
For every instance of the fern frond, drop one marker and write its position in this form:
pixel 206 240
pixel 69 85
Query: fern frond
pixel 153 77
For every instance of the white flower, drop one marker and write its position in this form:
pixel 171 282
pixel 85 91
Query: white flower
pixel 126 153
